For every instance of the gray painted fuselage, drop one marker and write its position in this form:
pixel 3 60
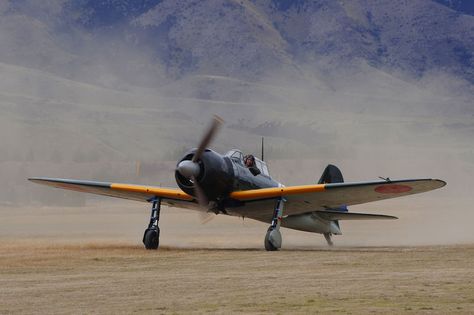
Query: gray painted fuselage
pixel 308 222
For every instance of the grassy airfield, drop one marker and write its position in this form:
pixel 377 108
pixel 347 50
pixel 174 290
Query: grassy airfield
pixel 38 276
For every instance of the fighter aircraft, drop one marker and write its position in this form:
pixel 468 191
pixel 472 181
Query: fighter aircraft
pixel 238 185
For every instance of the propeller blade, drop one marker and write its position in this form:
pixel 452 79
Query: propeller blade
pixel 199 193
pixel 206 217
pixel 208 136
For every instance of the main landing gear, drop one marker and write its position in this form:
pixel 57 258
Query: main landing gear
pixel 151 237
pixel 273 236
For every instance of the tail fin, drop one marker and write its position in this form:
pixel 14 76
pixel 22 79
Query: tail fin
pixel 331 174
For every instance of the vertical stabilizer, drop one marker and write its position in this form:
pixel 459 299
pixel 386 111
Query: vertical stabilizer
pixel 331 174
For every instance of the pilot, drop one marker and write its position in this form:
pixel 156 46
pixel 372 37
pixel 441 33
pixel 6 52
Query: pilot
pixel 249 161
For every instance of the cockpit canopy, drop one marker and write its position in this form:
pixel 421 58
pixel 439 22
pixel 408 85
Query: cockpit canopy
pixel 238 157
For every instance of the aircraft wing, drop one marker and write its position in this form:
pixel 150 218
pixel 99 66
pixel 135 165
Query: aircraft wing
pixel 258 203
pixel 171 196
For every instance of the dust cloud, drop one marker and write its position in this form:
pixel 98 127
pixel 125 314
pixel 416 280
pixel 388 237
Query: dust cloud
pixel 102 119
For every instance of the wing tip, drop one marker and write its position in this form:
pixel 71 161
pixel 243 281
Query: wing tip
pixel 42 179
pixel 441 182
pixel 35 179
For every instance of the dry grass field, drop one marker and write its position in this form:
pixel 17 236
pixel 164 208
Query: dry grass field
pixel 90 260
pixel 49 278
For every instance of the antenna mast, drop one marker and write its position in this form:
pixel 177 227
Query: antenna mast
pixel 262 151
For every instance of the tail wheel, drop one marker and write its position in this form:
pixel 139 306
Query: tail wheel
pixel 328 238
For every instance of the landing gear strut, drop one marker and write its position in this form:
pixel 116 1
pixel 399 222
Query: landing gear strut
pixel 151 237
pixel 273 236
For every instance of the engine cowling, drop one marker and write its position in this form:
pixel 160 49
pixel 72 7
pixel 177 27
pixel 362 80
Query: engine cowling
pixel 215 175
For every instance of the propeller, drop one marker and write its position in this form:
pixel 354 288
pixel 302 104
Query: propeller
pixel 199 192
pixel 191 168
pixel 206 217
pixel 208 136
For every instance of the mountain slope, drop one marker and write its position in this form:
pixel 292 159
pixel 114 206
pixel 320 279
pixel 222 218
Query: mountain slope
pixel 148 42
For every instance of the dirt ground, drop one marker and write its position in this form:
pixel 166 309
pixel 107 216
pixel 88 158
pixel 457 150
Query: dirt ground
pixel 91 260
pixel 37 277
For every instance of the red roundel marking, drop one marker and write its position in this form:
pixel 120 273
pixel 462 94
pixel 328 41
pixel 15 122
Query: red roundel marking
pixel 392 189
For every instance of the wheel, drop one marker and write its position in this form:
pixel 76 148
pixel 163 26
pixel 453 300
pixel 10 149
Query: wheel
pixel 151 239
pixel 327 236
pixel 268 245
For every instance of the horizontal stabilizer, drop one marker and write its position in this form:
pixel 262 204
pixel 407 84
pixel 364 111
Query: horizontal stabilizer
pixel 337 215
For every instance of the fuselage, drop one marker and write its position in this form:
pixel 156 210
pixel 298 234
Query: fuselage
pixel 222 174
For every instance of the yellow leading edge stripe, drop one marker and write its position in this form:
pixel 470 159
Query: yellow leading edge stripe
pixel 276 192
pixel 160 192
pixel 239 195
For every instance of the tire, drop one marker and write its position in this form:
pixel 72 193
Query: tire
pixel 268 245
pixel 327 236
pixel 151 239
